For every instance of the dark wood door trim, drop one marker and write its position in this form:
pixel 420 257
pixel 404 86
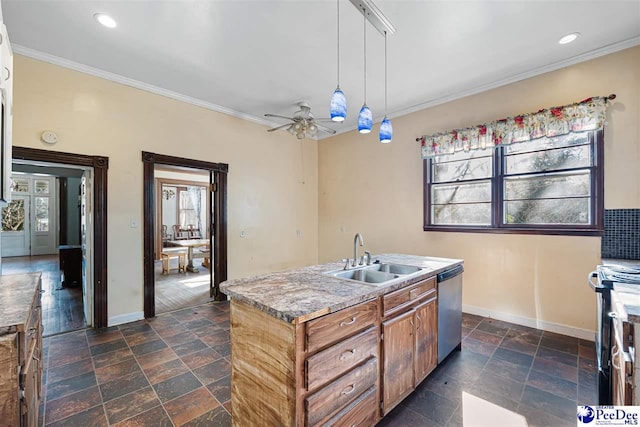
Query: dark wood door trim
pixel 218 173
pixel 100 167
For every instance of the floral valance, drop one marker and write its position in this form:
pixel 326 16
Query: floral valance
pixel 582 116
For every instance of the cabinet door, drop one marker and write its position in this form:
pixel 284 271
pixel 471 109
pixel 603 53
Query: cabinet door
pixel 426 351
pixel 397 345
pixel 29 393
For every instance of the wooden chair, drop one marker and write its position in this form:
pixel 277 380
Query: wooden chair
pixel 194 233
pixel 180 233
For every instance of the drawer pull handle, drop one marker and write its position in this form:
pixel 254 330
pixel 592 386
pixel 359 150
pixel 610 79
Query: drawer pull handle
pixel 32 331
pixel 36 358
pixel 419 322
pixel 351 322
pixel 8 73
pixel 349 389
pixel 348 354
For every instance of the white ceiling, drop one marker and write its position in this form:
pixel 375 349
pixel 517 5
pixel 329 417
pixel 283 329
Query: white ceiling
pixel 251 57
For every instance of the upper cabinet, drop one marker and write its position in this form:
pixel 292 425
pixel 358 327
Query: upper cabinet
pixel 6 114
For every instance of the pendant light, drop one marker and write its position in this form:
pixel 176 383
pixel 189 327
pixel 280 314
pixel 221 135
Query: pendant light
pixel 365 118
pixel 338 106
pixel 386 130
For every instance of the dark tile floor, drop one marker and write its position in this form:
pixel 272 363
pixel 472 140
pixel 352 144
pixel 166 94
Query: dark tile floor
pixel 505 375
pixel 170 371
pixel 175 370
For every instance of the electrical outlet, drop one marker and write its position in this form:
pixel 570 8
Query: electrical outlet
pixel 133 223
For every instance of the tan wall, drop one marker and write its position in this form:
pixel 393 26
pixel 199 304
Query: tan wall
pixel 267 196
pixel 376 189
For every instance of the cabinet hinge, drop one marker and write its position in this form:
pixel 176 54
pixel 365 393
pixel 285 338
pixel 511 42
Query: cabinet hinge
pixel 382 336
pixel 381 406
pixel 214 187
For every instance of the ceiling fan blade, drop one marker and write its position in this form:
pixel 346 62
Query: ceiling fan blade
pixel 325 120
pixel 279 127
pixel 276 115
pixel 325 129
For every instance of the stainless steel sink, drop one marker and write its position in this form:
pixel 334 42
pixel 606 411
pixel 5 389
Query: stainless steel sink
pixel 378 273
pixel 396 268
pixel 365 274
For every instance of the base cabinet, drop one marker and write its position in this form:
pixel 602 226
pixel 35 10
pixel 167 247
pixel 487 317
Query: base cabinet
pixel 397 350
pixel 21 351
pixel 347 368
pixel 409 341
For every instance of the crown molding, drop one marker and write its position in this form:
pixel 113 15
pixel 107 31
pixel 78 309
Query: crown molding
pixel 56 60
pixel 606 50
pixel 117 78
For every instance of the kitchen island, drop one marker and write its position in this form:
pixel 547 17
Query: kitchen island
pixel 311 348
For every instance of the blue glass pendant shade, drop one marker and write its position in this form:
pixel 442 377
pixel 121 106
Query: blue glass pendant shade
pixel 365 120
pixel 338 107
pixel 386 131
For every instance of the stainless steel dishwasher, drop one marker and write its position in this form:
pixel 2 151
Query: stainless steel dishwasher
pixel 449 311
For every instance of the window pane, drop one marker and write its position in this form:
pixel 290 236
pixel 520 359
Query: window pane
pixel 20 185
pixel 547 186
pixel 13 216
pixel 443 194
pixel 42 214
pixel 41 187
pixel 562 158
pixel 467 214
pixel 554 211
pixel 548 143
pixel 463 170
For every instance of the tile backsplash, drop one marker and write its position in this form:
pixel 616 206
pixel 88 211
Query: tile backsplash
pixel 621 234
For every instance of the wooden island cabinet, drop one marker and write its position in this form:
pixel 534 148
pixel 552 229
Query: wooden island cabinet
pixel 20 350
pixel 308 350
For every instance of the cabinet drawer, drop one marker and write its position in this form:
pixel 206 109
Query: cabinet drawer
pixel 332 362
pixel 341 392
pixel 331 328
pixel 362 412
pixel 32 330
pixel 402 298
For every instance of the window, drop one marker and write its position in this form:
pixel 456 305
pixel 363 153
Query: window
pixel 547 186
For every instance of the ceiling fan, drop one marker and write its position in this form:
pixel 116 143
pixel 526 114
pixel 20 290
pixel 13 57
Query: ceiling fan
pixel 302 124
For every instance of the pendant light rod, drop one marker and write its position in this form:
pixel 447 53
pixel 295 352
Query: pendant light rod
pixel 338 41
pixel 374 15
pixel 385 73
pixel 365 56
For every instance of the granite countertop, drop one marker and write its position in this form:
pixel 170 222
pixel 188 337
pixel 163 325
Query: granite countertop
pixel 303 294
pixel 17 292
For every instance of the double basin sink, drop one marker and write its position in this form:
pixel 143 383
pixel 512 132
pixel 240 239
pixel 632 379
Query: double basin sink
pixel 378 273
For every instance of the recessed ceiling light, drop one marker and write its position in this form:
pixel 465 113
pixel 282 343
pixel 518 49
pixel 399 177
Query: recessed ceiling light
pixel 105 20
pixel 569 38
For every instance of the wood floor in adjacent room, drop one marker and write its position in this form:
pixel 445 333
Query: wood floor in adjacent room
pixel 62 308
pixel 175 291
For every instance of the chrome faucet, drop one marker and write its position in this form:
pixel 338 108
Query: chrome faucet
pixel 355 248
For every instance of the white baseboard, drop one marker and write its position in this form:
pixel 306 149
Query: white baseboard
pixel 572 331
pixel 125 318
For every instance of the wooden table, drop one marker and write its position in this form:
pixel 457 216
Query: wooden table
pixel 190 244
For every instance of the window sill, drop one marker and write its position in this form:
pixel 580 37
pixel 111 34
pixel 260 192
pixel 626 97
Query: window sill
pixel 541 231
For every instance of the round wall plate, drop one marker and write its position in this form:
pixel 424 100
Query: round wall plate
pixel 49 137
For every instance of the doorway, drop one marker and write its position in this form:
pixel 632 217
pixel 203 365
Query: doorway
pixel 188 236
pixel 92 227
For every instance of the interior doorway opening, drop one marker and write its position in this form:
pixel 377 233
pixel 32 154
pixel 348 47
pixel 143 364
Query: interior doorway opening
pixel 183 254
pixel 47 227
pixel 185 237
